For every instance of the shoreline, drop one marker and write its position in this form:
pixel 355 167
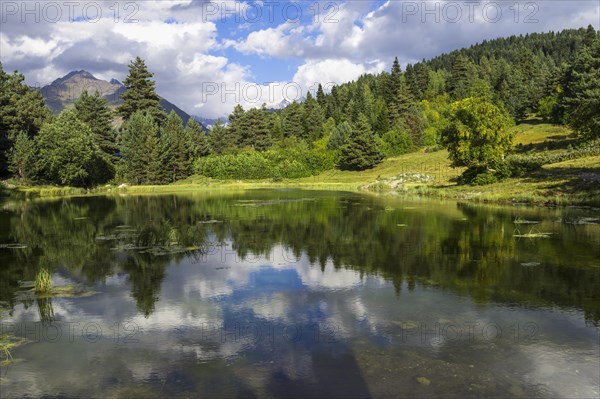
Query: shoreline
pixel 521 191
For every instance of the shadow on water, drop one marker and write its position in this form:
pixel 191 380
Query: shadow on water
pixel 335 376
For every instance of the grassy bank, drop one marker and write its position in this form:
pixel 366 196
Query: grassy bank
pixel 422 173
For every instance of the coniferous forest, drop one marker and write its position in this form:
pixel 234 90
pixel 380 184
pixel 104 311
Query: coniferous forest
pixel 464 101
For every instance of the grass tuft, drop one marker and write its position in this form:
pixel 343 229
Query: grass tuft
pixel 43 282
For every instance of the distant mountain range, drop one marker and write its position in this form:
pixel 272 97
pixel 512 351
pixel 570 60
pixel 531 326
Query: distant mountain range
pixel 63 92
pixel 209 122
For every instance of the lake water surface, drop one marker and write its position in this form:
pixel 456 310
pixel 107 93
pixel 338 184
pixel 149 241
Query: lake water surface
pixel 306 294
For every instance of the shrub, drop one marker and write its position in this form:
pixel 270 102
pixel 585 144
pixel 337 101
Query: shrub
pixel 292 162
pixel 484 178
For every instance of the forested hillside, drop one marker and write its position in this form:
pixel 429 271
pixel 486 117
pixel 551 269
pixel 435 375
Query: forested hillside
pixel 464 101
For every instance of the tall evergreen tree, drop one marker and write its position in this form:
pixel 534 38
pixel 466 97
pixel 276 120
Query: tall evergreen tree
pixel 140 94
pixel 582 93
pixel 255 129
pixel 361 152
pixel 178 150
pixel 142 150
pixel 394 82
pixel 313 118
pixel 293 121
pixel 218 138
pixel 277 132
pixel 94 111
pixel 412 82
pixel 235 129
pixel 340 136
pixel 461 78
pixel 198 138
pixel 321 98
pixel 403 101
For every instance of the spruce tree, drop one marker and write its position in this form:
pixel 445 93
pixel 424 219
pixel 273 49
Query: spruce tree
pixel 196 135
pixel 235 130
pixel 218 138
pixel 178 150
pixel 321 98
pixel 361 152
pixel 260 126
pixel 141 149
pixel 461 78
pixel 340 136
pixel 313 118
pixel 140 94
pixel 403 101
pixel 293 121
pixel 394 80
pixel 94 111
pixel 582 93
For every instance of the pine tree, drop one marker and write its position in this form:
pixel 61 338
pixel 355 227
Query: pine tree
pixel 582 93
pixel 381 124
pixel 261 126
pixel 140 94
pixel 254 128
pixel 412 82
pixel 293 121
pixel 178 150
pixel 361 152
pixel 394 82
pixel 218 138
pixel 277 127
pixel 94 111
pixel 199 139
pixel 461 78
pixel 340 136
pixel 403 101
pixel 141 149
pixel 423 72
pixel 366 103
pixel 235 130
pixel 321 99
pixel 313 118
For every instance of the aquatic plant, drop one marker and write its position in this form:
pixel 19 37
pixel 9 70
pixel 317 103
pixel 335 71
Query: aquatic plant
pixel 5 350
pixel 43 282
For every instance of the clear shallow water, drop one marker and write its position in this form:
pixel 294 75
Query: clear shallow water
pixel 284 293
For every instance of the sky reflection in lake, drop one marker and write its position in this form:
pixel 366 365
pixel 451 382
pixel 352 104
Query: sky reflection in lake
pixel 301 294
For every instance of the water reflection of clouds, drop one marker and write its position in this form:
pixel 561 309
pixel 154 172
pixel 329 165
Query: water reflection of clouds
pixel 193 296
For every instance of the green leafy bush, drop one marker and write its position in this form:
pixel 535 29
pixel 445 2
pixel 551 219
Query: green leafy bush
pixel 292 162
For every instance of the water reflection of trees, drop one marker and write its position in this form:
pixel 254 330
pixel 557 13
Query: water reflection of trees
pixel 469 250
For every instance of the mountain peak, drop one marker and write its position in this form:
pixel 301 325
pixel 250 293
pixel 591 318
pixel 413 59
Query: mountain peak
pixel 74 74
pixel 66 90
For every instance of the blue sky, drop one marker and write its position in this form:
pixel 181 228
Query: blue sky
pixel 208 55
